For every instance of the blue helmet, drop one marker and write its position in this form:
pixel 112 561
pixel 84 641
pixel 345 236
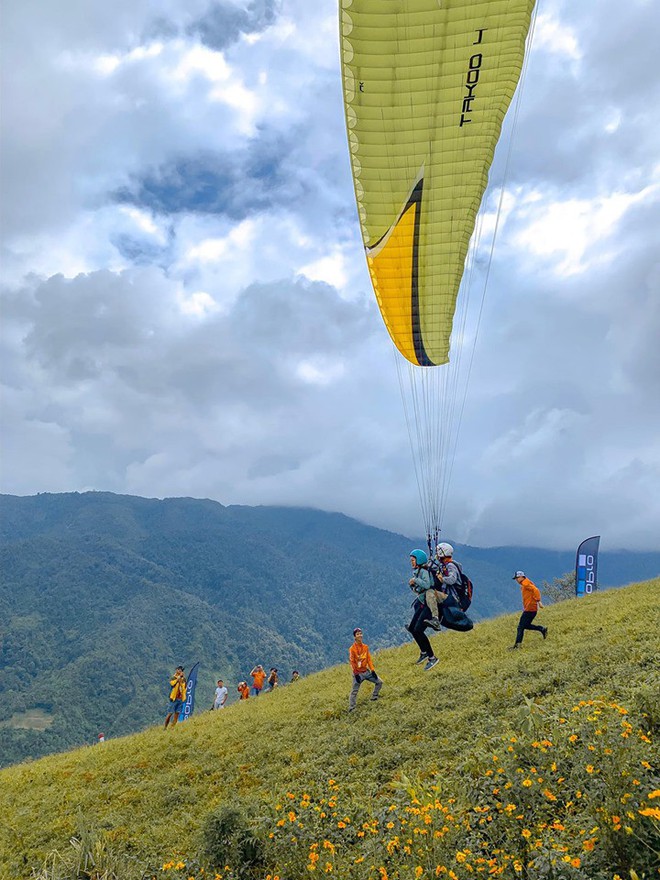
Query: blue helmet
pixel 419 556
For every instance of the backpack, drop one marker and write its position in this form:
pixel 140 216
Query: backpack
pixel 463 589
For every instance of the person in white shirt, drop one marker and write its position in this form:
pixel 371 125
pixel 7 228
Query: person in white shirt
pixel 221 694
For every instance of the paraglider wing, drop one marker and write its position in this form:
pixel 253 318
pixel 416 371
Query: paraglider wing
pixel 426 87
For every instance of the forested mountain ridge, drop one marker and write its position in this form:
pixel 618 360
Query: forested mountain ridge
pixel 102 594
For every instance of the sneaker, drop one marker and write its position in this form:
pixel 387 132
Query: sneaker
pixel 434 622
pixel 544 632
pixel 422 659
pixel 375 697
pixel 432 661
pixel 512 648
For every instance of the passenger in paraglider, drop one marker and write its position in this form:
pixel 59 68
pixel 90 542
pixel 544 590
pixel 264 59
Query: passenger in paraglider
pixel 421 584
pixel 445 575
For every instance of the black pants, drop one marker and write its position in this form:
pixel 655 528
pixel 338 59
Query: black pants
pixel 417 627
pixel 524 623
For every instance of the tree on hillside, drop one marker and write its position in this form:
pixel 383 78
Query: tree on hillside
pixel 561 588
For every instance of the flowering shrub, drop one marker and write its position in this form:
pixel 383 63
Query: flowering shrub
pixel 579 798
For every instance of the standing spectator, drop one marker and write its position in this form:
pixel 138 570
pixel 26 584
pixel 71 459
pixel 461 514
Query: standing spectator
pixel 258 679
pixel 272 679
pixel 244 690
pixel 221 694
pixel 295 675
pixel 178 688
pixel 531 598
pixel 363 669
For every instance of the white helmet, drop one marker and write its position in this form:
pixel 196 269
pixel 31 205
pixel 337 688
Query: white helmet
pixel 444 550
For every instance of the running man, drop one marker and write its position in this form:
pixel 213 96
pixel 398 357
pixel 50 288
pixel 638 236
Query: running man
pixel 531 598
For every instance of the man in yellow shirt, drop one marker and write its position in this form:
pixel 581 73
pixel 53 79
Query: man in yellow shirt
pixel 178 687
pixel 363 669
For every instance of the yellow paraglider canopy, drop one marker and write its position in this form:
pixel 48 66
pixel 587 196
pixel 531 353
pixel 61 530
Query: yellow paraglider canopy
pixel 426 87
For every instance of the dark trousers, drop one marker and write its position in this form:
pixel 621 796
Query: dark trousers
pixel 417 627
pixel 524 623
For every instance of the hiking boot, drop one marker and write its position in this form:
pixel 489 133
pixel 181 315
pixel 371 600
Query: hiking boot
pixel 544 632
pixel 434 622
pixel 422 659
pixel 432 661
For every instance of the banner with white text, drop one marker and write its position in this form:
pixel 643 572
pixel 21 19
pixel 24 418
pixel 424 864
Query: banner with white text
pixel 586 566
pixel 189 705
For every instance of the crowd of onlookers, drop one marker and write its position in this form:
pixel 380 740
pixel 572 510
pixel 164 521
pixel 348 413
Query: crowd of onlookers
pixel 260 682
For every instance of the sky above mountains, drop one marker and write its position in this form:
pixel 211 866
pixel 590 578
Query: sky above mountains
pixel 186 306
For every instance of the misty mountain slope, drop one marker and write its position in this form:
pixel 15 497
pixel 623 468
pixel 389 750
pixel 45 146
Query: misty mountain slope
pixel 102 594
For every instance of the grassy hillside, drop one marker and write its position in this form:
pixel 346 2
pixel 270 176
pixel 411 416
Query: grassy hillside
pixel 538 763
pixel 100 593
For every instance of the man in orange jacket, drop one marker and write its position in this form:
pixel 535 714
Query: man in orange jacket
pixel 531 603
pixel 363 669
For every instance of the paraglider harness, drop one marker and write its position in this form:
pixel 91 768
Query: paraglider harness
pixel 461 591
pixel 459 598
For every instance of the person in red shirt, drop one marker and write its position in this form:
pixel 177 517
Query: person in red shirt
pixel 531 598
pixel 363 669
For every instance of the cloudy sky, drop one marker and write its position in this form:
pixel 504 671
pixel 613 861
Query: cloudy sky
pixel 186 308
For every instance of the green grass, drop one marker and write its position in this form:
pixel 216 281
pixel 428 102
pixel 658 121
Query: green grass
pixel 431 739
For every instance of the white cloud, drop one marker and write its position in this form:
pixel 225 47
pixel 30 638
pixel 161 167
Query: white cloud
pixel 187 307
pixel 574 232
pixel 554 36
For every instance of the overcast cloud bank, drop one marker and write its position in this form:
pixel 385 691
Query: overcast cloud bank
pixel 186 309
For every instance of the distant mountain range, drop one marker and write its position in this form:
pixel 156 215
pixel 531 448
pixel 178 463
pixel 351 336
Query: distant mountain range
pixel 102 595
